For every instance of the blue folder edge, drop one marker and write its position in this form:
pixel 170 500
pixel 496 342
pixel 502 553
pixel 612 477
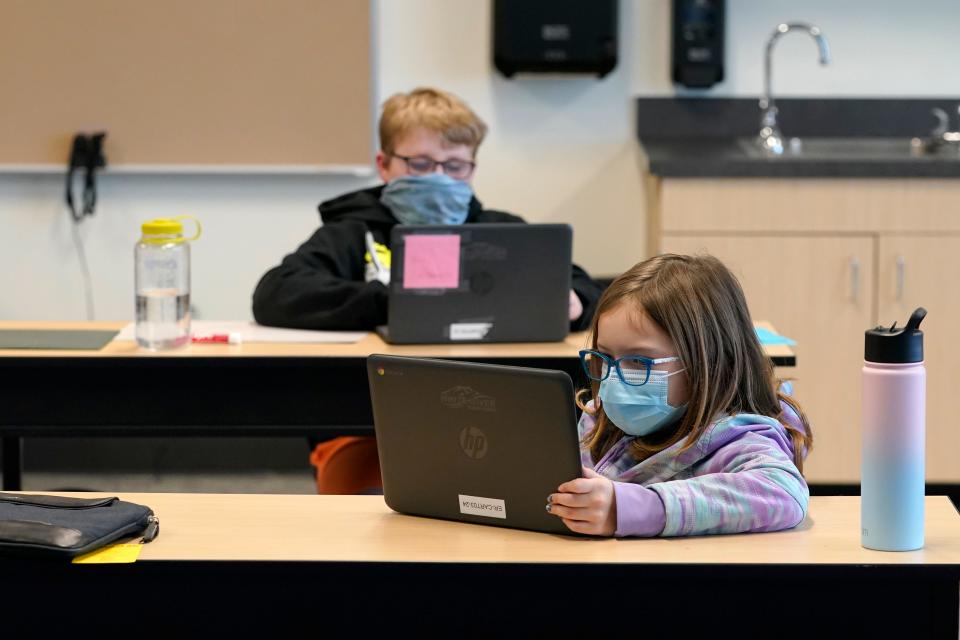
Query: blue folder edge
pixel 769 337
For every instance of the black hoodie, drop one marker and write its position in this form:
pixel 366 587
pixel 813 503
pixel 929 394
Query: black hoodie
pixel 322 285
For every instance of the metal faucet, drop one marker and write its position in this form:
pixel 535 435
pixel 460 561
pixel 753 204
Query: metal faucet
pixel 771 139
pixel 940 138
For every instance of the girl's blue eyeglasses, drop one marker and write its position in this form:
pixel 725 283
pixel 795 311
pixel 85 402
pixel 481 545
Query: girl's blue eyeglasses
pixel 632 370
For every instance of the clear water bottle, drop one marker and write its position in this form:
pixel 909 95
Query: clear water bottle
pixel 162 281
pixel 893 439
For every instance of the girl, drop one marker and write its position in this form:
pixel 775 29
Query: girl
pixel 686 432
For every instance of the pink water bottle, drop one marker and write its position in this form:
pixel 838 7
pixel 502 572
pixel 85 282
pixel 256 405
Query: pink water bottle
pixel 894 421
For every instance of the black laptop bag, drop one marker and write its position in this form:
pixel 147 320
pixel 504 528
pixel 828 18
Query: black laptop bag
pixel 64 527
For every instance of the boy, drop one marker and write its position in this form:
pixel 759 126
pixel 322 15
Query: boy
pixel 338 278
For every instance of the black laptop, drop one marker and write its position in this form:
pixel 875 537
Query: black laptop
pixel 479 283
pixel 474 442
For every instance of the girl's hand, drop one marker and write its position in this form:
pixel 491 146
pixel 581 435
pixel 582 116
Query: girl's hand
pixel 586 505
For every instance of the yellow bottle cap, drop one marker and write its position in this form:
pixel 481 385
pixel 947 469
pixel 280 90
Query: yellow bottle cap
pixel 162 226
pixel 166 230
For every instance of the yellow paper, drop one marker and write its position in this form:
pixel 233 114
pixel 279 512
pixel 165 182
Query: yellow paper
pixel 111 554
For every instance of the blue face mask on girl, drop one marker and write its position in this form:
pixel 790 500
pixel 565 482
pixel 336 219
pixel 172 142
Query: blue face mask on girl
pixel 435 198
pixel 640 410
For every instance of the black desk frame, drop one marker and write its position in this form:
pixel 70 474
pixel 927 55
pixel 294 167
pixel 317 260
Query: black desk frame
pixel 313 396
pixel 319 397
pixel 491 600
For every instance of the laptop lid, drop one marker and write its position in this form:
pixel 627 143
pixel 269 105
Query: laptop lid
pixel 480 283
pixel 473 442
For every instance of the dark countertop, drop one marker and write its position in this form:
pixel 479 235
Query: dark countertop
pixel 840 138
pixel 682 158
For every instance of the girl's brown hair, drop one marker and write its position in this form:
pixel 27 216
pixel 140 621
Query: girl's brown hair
pixel 700 305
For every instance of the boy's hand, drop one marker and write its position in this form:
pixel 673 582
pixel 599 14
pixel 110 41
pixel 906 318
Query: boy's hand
pixel 586 505
pixel 373 271
pixel 576 307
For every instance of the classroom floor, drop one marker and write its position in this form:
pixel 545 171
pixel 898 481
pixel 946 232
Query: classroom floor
pixel 168 465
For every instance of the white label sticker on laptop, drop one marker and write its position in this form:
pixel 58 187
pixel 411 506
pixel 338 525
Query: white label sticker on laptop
pixel 489 507
pixel 469 330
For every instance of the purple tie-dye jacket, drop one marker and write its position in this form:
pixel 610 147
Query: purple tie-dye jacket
pixel 738 477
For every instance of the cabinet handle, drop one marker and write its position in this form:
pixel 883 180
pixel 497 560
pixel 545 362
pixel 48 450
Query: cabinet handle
pixel 901 273
pixel 854 279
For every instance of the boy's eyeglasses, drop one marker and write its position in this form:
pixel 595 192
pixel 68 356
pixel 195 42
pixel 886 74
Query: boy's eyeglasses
pixel 422 165
pixel 633 370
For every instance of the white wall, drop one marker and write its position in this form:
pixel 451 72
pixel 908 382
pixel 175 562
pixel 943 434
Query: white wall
pixel 879 47
pixel 560 149
pixel 249 223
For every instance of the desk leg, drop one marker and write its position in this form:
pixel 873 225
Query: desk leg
pixel 12 462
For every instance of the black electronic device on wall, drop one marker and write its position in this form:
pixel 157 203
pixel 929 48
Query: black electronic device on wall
pixel 559 36
pixel 698 27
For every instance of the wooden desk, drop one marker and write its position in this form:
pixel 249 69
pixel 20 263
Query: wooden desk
pixel 317 390
pixel 359 561
pixel 781 355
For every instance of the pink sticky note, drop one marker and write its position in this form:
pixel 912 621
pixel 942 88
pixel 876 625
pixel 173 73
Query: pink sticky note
pixel 431 261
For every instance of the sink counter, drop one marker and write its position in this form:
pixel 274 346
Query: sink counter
pixel 735 158
pixel 840 138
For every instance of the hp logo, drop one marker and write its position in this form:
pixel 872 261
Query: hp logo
pixel 473 442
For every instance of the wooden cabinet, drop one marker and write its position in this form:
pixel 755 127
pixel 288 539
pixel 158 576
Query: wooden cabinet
pixel 915 271
pixel 824 260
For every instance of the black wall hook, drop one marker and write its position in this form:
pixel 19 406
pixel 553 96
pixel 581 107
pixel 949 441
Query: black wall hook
pixel 86 154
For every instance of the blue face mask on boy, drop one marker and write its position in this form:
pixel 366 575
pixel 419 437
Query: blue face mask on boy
pixel 435 198
pixel 639 411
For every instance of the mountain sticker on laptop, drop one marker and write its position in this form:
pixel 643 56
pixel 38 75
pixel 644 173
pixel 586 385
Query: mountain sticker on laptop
pixel 462 396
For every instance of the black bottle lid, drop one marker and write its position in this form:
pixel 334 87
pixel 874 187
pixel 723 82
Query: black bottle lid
pixel 893 345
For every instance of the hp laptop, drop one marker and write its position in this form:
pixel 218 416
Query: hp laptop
pixel 479 443
pixel 479 283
